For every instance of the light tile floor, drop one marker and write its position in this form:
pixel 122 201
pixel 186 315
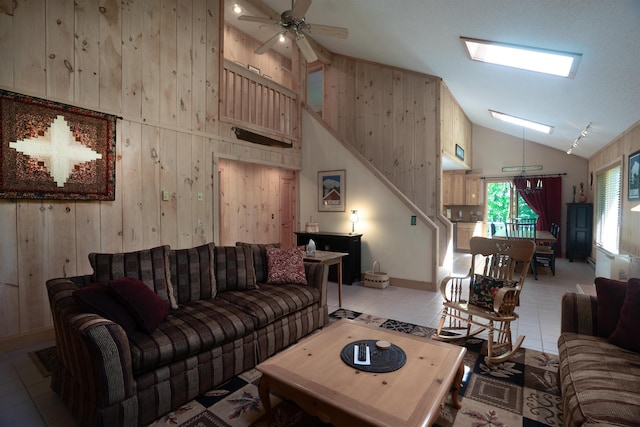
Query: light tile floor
pixel 27 400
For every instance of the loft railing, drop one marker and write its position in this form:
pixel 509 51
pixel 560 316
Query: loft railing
pixel 253 101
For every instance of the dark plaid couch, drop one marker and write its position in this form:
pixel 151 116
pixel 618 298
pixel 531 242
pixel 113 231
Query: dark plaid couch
pixel 600 382
pixel 224 324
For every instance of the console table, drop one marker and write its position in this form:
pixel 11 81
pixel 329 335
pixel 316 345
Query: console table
pixel 338 242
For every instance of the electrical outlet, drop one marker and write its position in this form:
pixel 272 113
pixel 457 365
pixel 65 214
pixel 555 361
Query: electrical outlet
pixel 199 197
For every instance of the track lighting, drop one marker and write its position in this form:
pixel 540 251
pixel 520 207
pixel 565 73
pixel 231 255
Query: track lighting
pixel 584 133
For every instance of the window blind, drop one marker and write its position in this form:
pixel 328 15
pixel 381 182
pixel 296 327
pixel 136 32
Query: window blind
pixel 608 190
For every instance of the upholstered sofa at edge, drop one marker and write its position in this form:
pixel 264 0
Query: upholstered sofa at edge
pixel 599 381
pixel 223 325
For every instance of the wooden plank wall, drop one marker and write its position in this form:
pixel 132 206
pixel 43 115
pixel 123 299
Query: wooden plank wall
pixel 156 64
pixel 618 151
pixel 390 116
pixel 455 128
pixel 250 202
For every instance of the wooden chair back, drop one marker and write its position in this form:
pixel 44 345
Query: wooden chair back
pixel 498 258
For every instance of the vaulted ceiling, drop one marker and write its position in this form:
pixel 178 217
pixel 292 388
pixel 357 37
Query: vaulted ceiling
pixel 424 36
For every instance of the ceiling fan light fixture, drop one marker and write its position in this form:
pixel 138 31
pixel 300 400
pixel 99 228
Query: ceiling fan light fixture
pixel 540 127
pixel 237 9
pixel 282 38
pixel 547 61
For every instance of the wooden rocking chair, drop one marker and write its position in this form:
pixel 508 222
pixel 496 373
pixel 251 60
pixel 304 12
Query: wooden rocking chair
pixel 487 297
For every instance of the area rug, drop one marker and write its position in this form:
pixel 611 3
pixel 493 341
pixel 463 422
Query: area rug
pixel 45 360
pixel 521 392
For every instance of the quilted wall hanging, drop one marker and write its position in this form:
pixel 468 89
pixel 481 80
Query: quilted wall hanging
pixel 55 151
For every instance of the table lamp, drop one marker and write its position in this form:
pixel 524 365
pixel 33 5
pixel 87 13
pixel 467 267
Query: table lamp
pixel 353 218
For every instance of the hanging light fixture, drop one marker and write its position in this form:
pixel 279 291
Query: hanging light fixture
pixel 529 186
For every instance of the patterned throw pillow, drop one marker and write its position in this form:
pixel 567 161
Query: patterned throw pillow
pixel 260 258
pixel 285 266
pixel 192 273
pixel 149 265
pixel 484 289
pixel 234 268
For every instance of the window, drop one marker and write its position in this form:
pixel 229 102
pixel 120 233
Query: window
pixel 504 203
pixel 608 190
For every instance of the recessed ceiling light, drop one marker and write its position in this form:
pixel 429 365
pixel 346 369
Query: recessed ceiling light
pixel 557 63
pixel 237 9
pixel 521 122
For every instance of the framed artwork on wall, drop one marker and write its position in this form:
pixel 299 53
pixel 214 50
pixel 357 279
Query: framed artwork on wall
pixel 55 151
pixel 634 177
pixel 332 191
pixel 459 152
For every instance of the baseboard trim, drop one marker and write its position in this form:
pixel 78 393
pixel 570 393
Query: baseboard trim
pixel 37 336
pixel 412 284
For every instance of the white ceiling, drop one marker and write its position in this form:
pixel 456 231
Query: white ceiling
pixel 424 36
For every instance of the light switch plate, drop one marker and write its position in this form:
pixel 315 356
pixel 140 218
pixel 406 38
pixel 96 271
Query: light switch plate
pixel 165 196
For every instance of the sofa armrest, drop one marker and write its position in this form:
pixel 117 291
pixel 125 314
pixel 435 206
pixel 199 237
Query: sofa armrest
pixel 93 350
pixel 317 275
pixel 579 313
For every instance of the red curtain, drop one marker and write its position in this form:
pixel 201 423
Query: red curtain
pixel 547 203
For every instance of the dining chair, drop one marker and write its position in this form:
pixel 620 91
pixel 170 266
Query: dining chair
pixel 523 229
pixel 546 253
pixel 486 298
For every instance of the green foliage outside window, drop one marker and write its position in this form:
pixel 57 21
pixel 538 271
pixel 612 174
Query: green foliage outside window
pixel 500 206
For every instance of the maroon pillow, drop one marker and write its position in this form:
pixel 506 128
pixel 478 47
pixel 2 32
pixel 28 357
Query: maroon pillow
pixel 627 332
pixel 611 295
pixel 96 298
pixel 144 305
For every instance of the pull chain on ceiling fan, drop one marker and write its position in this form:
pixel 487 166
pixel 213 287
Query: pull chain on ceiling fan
pixel 293 24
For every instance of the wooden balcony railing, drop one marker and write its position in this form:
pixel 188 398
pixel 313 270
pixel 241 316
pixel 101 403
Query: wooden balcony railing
pixel 253 101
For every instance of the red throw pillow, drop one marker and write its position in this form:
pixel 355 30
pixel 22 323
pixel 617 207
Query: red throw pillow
pixel 285 266
pixel 95 298
pixel 144 305
pixel 611 295
pixel 627 332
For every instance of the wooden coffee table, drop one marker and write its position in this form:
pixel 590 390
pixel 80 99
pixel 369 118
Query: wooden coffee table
pixel 312 374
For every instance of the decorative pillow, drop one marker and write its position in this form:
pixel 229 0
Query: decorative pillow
pixel 144 305
pixel 234 268
pixel 149 265
pixel 192 273
pixel 260 258
pixel 97 299
pixel 285 266
pixel 483 290
pixel 611 295
pixel 627 332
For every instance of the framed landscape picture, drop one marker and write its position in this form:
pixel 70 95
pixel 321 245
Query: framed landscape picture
pixel 634 176
pixel 331 191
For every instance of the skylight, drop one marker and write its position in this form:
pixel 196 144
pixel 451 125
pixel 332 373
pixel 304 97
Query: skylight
pixel 540 127
pixel 563 64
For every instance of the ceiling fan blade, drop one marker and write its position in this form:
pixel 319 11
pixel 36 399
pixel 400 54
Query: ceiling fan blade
pixel 306 49
pixel 327 30
pixel 269 44
pixel 300 8
pixel 257 19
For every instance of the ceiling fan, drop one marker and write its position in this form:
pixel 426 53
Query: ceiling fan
pixel 292 23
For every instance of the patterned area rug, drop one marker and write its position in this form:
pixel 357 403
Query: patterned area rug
pixel 520 392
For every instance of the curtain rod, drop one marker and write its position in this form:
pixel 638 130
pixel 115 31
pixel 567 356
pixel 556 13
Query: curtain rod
pixel 545 175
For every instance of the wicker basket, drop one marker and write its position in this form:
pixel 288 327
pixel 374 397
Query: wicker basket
pixel 376 278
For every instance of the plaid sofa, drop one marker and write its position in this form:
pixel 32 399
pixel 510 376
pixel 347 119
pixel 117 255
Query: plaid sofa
pixel 600 382
pixel 222 324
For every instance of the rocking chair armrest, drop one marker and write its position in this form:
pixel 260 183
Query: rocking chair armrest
pixel 445 282
pixel 506 299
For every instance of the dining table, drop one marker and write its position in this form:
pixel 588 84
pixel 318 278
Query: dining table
pixel 542 236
